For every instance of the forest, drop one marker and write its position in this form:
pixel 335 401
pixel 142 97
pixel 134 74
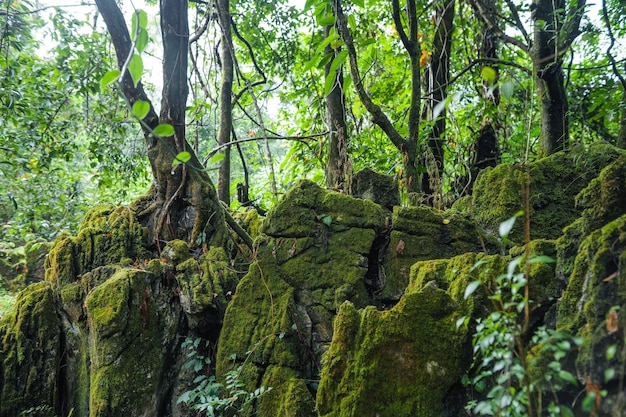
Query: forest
pixel 219 147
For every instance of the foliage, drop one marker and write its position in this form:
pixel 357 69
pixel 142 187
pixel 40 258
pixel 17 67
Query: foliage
pixel 210 397
pixel 57 154
pixel 513 377
pixel 7 300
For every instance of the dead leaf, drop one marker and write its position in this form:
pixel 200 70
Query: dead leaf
pixel 612 324
pixel 400 247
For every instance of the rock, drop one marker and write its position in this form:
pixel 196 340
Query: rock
pixel 381 189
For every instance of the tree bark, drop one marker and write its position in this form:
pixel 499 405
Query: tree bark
pixel 182 203
pixel 438 78
pixel 339 166
pixel 226 92
pixel 407 147
pixel 553 34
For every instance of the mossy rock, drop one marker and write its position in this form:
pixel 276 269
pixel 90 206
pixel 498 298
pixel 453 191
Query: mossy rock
pixel 423 233
pixel 314 257
pixel 594 302
pixel 554 183
pixel 400 362
pixel 107 235
pixel 307 207
pixel 30 354
pixel 134 331
pixel 602 201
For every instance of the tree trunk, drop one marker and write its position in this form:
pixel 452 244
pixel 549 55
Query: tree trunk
pixel 339 166
pixel 438 77
pixel 226 107
pixel 182 203
pixel 548 69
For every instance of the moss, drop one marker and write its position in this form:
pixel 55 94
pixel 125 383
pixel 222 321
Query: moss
pixel 596 286
pixel 133 331
pixel 554 182
pixel 107 235
pixel 602 201
pixel 30 352
pixel 175 252
pixel 304 207
pixel 400 362
pixel 292 401
pixel 423 233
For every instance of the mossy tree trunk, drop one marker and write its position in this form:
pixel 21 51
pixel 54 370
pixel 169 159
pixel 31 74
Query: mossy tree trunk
pixel 183 203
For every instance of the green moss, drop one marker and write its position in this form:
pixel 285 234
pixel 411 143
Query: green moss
pixel 304 207
pixel 294 400
pixel 30 352
pixel 400 362
pixel 602 201
pixel 133 331
pixel 423 233
pixel 596 286
pixel 554 182
pixel 107 235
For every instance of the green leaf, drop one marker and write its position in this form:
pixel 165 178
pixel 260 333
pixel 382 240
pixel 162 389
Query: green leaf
pixel 360 3
pixel 352 22
pixel 567 376
pixel 488 74
pixel 507 89
pixel 182 157
pixel 326 219
pixel 610 352
pixel 308 5
pixel 141 109
pixel 367 42
pixel 140 20
pixel 347 82
pixel 142 40
pixel 471 288
pixel 506 226
pixel 541 259
pixel 135 67
pixel 108 78
pixel 609 373
pixel 163 130
pixel 326 20
pixel 216 158
pixel 310 63
pixel 330 38
pixel 338 60
pixel 329 82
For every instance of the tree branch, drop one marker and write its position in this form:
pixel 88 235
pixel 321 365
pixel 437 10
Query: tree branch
pixel 378 116
pixel 487 19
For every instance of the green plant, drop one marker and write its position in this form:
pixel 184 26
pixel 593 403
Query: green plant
pixel 209 396
pixel 7 300
pixel 515 377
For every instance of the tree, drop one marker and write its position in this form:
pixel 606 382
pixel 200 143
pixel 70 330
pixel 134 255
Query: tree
pixel 339 166
pixel 406 146
pixel 555 27
pixel 183 202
